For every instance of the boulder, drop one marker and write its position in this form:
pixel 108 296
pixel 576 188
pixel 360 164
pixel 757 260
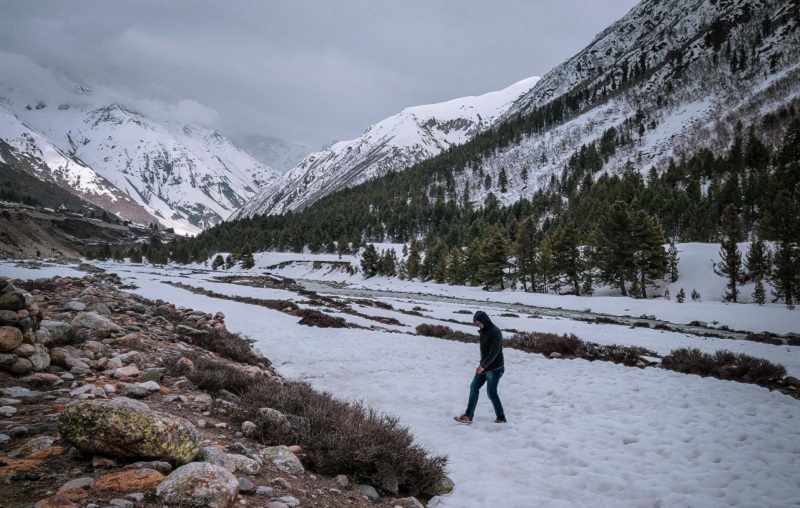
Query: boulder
pixel 94 326
pixel 21 367
pixel 75 306
pixel 199 484
pixel 8 318
pixel 128 430
pixel 12 300
pixel 10 338
pixel 283 459
pixel 40 358
pixel 57 330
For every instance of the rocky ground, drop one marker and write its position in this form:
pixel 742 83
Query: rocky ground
pixel 90 417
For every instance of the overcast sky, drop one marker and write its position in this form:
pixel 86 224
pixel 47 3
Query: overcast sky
pixel 305 71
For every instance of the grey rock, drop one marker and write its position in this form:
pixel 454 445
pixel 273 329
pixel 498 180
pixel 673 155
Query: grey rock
pixel 156 465
pixel 4 438
pixel 289 501
pixel 216 457
pixel 248 428
pixel 265 491
pixel 18 392
pixel 342 482
pixel 246 485
pixel 370 492
pixel 127 371
pixel 94 326
pixel 6 411
pixel 33 445
pixel 21 367
pixel 199 484
pixel 133 390
pixel 121 503
pixel 84 483
pixel 8 318
pixel 75 306
pixel 58 330
pixel 244 464
pixel 283 459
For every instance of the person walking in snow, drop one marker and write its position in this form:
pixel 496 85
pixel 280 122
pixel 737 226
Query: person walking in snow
pixel 489 370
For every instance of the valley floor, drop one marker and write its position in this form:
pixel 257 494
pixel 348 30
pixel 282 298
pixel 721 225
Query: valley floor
pixel 579 434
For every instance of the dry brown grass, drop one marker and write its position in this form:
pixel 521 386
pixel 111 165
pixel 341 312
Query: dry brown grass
pixel 338 437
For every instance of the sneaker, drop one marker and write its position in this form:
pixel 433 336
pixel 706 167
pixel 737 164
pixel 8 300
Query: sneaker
pixel 500 420
pixel 463 419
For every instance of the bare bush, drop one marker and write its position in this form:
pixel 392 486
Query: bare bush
pixel 546 343
pixel 226 344
pixel 338 437
pixel 311 317
pixel 443 332
pixel 724 365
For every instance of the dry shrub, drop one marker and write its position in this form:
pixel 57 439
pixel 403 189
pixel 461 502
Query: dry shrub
pixel 226 344
pixel 313 317
pixel 724 365
pixel 509 314
pixel 462 311
pixel 40 284
pixel 338 437
pixel 443 332
pixel 546 343
pixel 429 330
pixel 766 338
pixel 211 374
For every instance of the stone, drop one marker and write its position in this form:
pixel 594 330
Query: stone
pixel 275 418
pixel 248 428
pixel 24 350
pixel 342 482
pixel 246 485
pixel 7 360
pixel 8 318
pixel 444 486
pixel 58 330
pixel 7 411
pixel 21 367
pixel 127 371
pixel 242 464
pixel 121 503
pixel 370 492
pixel 126 430
pixel 43 337
pixel 199 484
pixel 216 457
pixel 283 459
pixel 84 483
pixel 157 465
pixel 133 390
pixel 10 338
pixel 289 501
pixel 150 386
pixel 13 300
pixel 75 306
pixel 33 445
pixel 265 490
pixel 40 359
pixel 94 326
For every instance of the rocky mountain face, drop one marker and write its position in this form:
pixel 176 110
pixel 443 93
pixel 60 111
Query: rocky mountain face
pixel 667 80
pixel 184 177
pixel 400 141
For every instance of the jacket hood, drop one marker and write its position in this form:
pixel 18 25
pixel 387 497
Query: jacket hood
pixel 483 318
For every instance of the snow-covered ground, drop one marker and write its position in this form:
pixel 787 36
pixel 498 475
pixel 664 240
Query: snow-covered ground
pixel 580 433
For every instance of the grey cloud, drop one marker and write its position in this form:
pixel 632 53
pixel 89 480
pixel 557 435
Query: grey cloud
pixel 305 71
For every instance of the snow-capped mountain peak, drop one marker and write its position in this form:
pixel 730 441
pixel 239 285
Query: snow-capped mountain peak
pixel 393 144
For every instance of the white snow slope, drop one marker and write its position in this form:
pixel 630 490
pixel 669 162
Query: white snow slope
pixel 580 434
pixel 415 134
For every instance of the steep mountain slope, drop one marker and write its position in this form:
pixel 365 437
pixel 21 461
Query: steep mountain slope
pixel 23 150
pixel 400 141
pixel 186 176
pixel 668 79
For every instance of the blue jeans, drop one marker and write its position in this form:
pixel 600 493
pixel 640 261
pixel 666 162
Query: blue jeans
pixel 492 378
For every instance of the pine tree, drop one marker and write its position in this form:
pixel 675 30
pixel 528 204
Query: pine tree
pixel 502 180
pixel 414 260
pixel 456 273
pixel 567 262
pixel 672 261
pixel 546 265
pixel 760 293
pixel 525 249
pixel 228 262
pixel 493 259
pixel 730 265
pixel 246 260
pixel 681 296
pixel 649 258
pixel 369 261
pixel 218 261
pixel 615 262
pixel 695 295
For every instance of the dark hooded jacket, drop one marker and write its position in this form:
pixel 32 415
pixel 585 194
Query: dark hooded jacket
pixel 491 341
